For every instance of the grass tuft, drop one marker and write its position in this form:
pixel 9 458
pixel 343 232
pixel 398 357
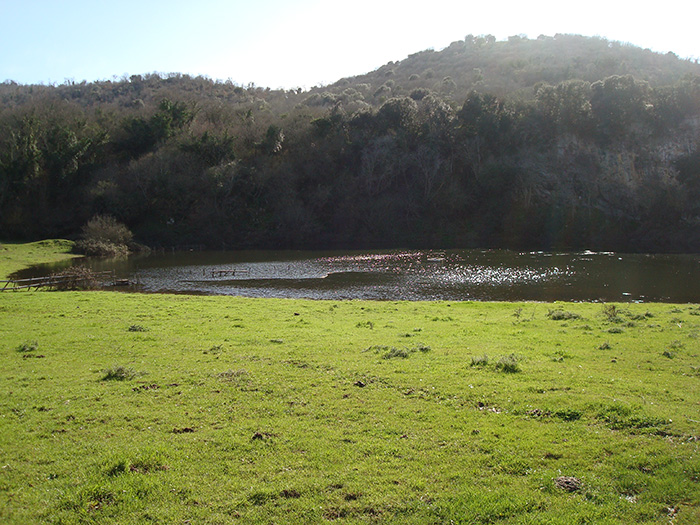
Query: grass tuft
pixel 480 360
pixel 215 350
pixel 508 364
pixel 231 374
pixel 622 417
pixel 568 414
pixel 120 373
pixel 29 346
pixel 611 313
pixel 143 463
pixel 561 315
pixel 392 352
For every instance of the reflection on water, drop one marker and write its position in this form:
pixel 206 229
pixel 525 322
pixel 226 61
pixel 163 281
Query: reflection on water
pixel 419 275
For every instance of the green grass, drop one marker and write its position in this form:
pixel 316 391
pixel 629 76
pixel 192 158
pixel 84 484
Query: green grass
pixel 17 256
pixel 254 410
pixel 130 409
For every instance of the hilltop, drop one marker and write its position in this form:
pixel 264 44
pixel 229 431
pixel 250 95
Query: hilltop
pixel 516 67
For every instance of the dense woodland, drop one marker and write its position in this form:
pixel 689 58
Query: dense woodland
pixel 548 143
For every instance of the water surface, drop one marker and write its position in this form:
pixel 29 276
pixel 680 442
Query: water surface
pixel 417 275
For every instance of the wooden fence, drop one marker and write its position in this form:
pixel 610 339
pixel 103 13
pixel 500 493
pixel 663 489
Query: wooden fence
pixel 226 273
pixel 58 281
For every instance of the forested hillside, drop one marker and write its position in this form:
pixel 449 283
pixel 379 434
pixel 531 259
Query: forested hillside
pixel 557 142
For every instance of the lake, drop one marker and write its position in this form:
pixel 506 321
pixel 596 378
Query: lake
pixel 454 275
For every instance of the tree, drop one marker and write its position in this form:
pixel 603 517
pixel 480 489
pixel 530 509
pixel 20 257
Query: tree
pixel 141 135
pixel 397 114
pixel 620 105
pixel 567 105
pixel 210 149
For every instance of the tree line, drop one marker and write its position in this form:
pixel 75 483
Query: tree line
pixel 572 163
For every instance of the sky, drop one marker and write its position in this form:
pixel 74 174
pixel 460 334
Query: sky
pixel 298 43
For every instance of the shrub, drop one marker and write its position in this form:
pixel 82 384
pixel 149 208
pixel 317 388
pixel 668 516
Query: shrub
pixel 97 248
pixel 104 236
pixel 108 229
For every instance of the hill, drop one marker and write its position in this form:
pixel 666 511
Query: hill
pixel 557 142
pixel 516 67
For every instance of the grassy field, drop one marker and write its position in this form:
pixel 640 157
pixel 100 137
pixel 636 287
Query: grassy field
pixel 16 256
pixel 127 408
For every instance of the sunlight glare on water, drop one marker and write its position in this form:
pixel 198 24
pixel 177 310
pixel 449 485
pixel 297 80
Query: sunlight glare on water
pixel 415 275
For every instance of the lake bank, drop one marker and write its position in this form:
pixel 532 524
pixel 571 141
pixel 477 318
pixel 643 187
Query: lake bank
pixel 16 256
pixel 128 408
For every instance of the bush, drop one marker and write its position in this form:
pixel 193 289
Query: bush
pixel 104 236
pixel 108 229
pixel 95 248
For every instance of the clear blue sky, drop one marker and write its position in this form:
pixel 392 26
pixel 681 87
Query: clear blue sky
pixel 298 43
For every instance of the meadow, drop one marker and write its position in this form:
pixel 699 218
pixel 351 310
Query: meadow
pixel 133 408
pixel 17 256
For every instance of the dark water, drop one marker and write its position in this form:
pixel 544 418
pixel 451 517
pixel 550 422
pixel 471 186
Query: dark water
pixel 417 275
